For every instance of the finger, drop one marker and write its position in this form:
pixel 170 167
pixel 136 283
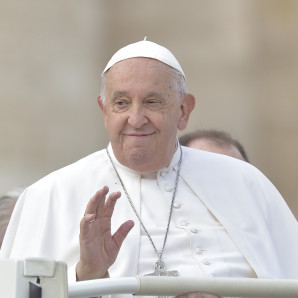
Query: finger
pixel 110 203
pixel 100 198
pixel 97 201
pixel 84 225
pixel 122 232
pixel 90 218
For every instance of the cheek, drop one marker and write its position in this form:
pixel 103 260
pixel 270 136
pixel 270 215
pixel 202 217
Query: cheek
pixel 173 119
pixel 106 121
pixel 114 123
pixel 167 125
pixel 158 120
pixel 105 115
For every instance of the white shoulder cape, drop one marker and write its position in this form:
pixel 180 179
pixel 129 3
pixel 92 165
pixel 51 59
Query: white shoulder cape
pixel 45 221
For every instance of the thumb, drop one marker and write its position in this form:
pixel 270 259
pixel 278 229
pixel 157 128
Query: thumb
pixel 122 232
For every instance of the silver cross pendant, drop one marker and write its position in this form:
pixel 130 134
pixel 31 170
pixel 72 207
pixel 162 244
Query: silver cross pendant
pixel 161 271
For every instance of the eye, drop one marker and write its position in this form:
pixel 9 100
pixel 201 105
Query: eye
pixel 153 102
pixel 120 104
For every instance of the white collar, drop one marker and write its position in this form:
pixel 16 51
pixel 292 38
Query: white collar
pixel 173 163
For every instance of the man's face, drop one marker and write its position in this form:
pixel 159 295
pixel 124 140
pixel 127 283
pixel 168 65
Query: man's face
pixel 142 113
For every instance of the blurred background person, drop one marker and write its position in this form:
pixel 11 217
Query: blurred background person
pixel 214 141
pixel 7 203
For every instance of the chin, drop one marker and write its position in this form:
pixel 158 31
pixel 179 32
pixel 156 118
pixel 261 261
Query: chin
pixel 139 157
pixel 141 162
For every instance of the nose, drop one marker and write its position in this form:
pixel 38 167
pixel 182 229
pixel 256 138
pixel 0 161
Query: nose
pixel 137 117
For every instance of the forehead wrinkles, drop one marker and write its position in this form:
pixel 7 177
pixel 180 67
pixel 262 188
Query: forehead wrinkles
pixel 143 76
pixel 152 94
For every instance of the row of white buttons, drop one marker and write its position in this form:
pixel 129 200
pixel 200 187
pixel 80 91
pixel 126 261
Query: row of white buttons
pixel 168 188
pixel 198 250
pixel 184 223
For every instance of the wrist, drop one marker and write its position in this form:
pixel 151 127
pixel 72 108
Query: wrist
pixel 84 273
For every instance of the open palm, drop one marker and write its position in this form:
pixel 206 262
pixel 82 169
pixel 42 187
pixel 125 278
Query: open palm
pixel 98 247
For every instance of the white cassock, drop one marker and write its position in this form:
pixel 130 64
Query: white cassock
pixel 228 219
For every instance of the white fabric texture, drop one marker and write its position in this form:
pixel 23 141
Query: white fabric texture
pixel 196 238
pixel 236 202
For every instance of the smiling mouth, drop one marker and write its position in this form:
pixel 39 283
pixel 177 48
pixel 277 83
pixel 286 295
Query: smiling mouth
pixel 140 135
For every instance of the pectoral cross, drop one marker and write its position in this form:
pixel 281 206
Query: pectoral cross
pixel 161 271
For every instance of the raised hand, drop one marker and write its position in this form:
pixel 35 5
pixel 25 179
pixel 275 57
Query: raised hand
pixel 98 248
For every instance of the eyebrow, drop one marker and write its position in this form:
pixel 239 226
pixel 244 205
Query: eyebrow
pixel 119 93
pixel 154 94
pixel 147 95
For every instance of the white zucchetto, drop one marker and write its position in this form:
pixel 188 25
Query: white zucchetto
pixel 146 49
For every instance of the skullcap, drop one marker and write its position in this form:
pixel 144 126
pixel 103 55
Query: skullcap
pixel 146 49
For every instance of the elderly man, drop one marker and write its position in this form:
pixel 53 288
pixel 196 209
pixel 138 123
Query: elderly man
pixel 156 208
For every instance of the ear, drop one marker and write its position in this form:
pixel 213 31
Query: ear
pixel 102 107
pixel 100 103
pixel 187 106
